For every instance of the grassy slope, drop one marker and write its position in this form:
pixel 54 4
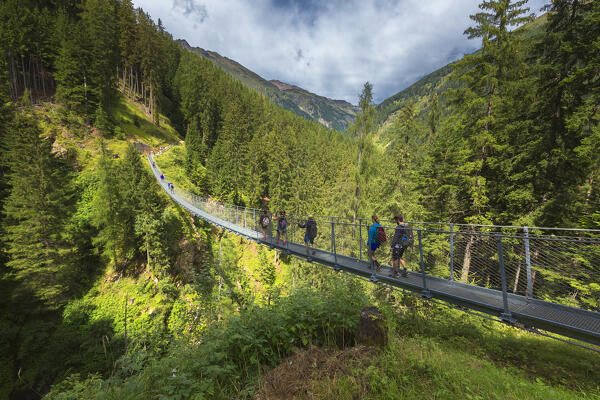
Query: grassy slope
pixel 438 353
pixel 83 142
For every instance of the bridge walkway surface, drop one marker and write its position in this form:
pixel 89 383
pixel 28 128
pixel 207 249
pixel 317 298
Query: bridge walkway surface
pixel 524 311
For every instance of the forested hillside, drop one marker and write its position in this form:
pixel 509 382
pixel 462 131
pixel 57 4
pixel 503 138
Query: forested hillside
pixel 110 290
pixel 334 114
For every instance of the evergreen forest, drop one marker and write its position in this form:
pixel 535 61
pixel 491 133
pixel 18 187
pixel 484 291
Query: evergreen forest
pixel 112 291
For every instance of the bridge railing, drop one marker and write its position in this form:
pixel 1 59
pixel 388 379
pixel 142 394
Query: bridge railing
pixel 552 264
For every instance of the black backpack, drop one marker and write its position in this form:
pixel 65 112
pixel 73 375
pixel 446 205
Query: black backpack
pixel 407 238
pixel 311 228
pixel 282 223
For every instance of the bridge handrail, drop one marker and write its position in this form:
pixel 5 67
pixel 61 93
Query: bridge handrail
pixel 546 267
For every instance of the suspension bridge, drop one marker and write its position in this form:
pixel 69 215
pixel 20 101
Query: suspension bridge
pixel 544 279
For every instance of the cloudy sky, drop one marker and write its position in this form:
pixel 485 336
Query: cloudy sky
pixel 329 47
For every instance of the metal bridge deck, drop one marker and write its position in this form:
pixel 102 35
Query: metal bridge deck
pixel 532 313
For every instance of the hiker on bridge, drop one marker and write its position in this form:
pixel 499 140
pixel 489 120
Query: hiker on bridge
pixel 376 238
pixel 311 233
pixel 172 188
pixel 265 222
pixel 400 242
pixel 282 225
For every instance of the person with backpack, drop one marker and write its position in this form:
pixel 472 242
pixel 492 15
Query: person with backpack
pixel 282 225
pixel 375 239
pixel 400 241
pixel 311 233
pixel 264 221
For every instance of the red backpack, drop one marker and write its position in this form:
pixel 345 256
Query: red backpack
pixel 380 238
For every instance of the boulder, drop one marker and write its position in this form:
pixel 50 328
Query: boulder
pixel 372 328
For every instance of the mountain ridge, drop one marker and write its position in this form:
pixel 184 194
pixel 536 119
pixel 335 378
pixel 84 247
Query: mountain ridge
pixel 331 113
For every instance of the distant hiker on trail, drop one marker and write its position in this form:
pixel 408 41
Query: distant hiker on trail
pixel 153 164
pixel 400 242
pixel 162 177
pixel 311 233
pixel 264 221
pixel 376 238
pixel 172 188
pixel 169 185
pixel 282 225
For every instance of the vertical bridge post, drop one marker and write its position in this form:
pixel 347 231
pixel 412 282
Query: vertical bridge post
pixel 333 243
pixel 425 293
pixel 360 238
pixel 506 315
pixel 451 252
pixel 529 292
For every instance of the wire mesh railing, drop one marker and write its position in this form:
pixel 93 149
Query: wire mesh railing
pixel 552 264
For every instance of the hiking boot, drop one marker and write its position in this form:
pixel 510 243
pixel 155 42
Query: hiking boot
pixel 404 272
pixel 313 252
pixel 394 274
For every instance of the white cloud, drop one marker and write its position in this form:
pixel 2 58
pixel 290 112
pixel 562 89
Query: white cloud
pixel 328 48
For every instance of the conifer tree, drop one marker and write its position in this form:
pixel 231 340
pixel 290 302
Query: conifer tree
pixel 98 20
pixel 109 210
pixel 484 76
pixel 36 209
pixel 565 112
pixel 127 41
pixel 364 125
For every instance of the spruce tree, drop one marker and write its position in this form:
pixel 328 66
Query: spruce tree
pixel 484 76
pixel 109 213
pixel 363 125
pixel 36 210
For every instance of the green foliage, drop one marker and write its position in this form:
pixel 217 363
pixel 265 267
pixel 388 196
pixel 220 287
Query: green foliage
pixel 101 121
pixel 36 209
pixel 231 356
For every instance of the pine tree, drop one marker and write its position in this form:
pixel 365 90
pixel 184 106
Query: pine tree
pixel 98 20
pixel 110 214
pixel 565 112
pixel 127 41
pixel 36 210
pixel 484 75
pixel 73 88
pixel 364 124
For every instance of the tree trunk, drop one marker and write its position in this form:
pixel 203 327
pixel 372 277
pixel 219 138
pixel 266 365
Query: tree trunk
pixel 151 103
pixel 43 73
pixel 357 191
pixel 24 77
pixel 467 260
pixel 516 285
pixel 124 79
pixel 13 75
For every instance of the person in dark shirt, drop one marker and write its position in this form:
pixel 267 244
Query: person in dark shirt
pixel 282 225
pixel 311 232
pixel 398 245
